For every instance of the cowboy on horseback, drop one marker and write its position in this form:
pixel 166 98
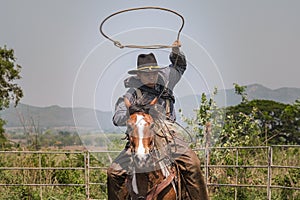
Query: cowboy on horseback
pixel 150 81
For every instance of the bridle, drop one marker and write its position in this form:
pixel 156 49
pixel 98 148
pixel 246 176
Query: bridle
pixel 132 127
pixel 156 161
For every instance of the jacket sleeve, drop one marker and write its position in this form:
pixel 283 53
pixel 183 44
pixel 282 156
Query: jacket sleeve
pixel 178 60
pixel 121 114
pixel 176 68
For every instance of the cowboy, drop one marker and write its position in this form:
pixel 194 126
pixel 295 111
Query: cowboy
pixel 151 81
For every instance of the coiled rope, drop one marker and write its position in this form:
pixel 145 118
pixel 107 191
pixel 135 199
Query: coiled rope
pixel 156 46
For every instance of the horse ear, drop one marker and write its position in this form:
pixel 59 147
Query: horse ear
pixel 154 101
pixel 127 102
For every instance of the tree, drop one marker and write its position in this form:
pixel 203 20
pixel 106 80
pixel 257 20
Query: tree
pixel 241 90
pixel 10 92
pixel 279 122
pixel 207 124
pixel 291 123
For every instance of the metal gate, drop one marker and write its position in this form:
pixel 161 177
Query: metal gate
pixel 37 169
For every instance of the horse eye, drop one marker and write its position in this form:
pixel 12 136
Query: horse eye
pixel 131 141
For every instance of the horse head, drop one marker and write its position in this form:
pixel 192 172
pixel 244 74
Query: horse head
pixel 150 178
pixel 141 135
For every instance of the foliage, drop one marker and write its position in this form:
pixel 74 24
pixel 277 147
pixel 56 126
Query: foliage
pixel 59 139
pixel 250 123
pixel 279 123
pixel 241 90
pixel 240 130
pixel 9 90
pixel 63 162
pixel 9 72
pixel 2 137
pixel 207 116
pixel 288 177
pixel 61 168
pixel 291 123
pixel 254 176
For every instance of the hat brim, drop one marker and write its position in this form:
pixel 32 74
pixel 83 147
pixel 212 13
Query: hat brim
pixel 135 71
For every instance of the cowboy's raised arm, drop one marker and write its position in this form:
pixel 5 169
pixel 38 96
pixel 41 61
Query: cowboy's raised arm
pixel 177 67
pixel 177 58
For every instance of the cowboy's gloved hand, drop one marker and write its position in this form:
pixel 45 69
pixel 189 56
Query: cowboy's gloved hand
pixel 176 45
pixel 135 108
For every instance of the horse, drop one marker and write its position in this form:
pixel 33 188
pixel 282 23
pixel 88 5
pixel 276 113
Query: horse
pixel 150 177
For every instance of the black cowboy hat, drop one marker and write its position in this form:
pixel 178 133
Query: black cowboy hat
pixel 146 63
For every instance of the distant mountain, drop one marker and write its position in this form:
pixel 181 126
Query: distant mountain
pixel 55 117
pixel 229 98
pixel 257 91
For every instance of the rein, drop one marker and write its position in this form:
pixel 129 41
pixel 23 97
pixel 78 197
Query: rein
pixel 155 190
pixel 159 187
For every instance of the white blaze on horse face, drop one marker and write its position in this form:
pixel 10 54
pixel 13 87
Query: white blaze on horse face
pixel 140 123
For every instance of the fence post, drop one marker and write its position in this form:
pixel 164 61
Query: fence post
pixel 206 163
pixel 87 174
pixel 207 149
pixel 236 172
pixel 40 170
pixel 270 158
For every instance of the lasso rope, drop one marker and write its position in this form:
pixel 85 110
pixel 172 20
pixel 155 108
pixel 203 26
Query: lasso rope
pixel 156 46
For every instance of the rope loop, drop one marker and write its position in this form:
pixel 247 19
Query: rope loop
pixel 156 46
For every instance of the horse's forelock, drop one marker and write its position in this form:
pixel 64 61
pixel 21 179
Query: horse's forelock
pixel 147 118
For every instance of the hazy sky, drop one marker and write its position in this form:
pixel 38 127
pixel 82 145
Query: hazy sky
pixel 66 61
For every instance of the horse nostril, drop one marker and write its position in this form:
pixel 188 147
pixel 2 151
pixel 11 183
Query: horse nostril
pixel 137 157
pixel 141 159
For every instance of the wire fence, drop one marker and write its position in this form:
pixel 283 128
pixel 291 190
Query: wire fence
pixel 271 168
pixel 234 168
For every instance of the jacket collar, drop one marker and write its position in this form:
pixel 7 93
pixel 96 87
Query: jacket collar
pixel 135 82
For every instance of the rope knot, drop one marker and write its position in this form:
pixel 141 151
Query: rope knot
pixel 118 44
